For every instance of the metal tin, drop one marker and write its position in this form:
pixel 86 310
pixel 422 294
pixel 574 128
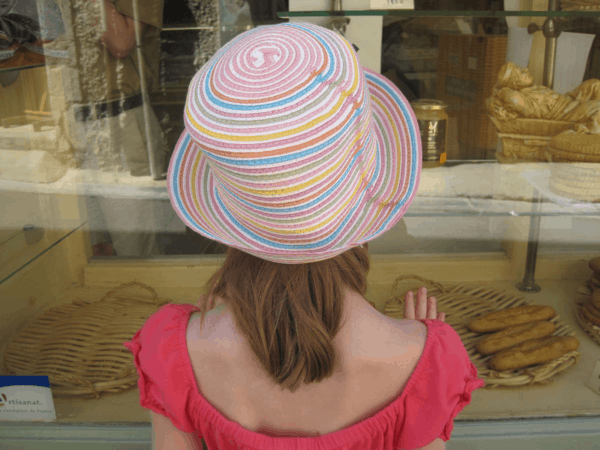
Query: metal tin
pixel 432 119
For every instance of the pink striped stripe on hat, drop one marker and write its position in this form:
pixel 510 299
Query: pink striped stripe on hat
pixel 292 151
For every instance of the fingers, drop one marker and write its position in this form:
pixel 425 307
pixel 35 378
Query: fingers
pixel 422 304
pixel 425 308
pixel 431 308
pixel 409 306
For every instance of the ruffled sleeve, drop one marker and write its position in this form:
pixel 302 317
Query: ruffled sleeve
pixel 444 381
pixel 158 349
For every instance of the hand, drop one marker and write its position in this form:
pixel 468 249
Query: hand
pixel 426 307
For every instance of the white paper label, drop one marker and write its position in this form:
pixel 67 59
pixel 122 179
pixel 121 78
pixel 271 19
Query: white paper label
pixel 472 62
pixel 594 381
pixel 26 398
pixel 392 4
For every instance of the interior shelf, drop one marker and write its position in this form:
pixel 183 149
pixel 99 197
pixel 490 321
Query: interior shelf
pixel 427 13
pixel 460 190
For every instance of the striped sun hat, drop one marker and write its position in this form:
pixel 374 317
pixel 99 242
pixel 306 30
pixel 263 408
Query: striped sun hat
pixel 292 151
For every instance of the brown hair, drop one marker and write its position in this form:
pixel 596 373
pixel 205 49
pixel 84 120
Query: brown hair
pixel 289 313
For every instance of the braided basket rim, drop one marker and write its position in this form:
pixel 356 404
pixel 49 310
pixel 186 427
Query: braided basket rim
pixel 79 344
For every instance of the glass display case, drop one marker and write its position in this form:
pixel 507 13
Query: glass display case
pixel 91 106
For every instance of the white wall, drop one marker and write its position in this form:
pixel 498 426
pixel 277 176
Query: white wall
pixel 364 32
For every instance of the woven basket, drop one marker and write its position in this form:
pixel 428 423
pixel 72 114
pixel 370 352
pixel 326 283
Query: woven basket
pixel 532 127
pixel 579 5
pixel 525 140
pixel 79 346
pixel 584 294
pixel 461 304
pixel 521 148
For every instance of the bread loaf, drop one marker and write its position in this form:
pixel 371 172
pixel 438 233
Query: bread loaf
pixel 596 298
pixel 591 313
pixel 594 264
pixel 534 351
pixel 514 335
pixel 499 320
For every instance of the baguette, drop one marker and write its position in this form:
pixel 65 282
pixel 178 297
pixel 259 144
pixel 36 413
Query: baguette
pixel 534 351
pixel 514 335
pixel 499 320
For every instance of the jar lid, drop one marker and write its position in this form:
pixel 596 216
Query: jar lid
pixel 429 104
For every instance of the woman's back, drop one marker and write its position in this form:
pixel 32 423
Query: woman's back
pixel 377 357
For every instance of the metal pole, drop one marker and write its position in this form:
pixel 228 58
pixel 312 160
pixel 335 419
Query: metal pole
pixel 551 33
pixel 528 284
pixel 156 157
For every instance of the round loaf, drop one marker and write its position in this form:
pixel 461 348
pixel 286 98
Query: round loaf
pixel 514 335
pixel 505 318
pixel 595 280
pixel 592 286
pixel 591 314
pixel 534 351
pixel 594 264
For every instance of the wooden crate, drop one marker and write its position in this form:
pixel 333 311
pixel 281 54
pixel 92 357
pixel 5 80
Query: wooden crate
pixel 467 72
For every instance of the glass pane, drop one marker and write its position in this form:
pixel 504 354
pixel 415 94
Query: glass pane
pixel 105 96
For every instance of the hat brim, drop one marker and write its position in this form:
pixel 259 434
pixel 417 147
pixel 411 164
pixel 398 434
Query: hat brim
pixel 196 199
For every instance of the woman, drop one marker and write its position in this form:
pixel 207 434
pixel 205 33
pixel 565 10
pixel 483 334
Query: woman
pixel 294 156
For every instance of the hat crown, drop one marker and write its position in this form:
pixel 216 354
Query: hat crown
pixel 276 107
pixel 292 151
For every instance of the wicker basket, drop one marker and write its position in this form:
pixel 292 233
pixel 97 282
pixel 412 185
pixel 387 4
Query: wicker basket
pixel 525 140
pixel 584 294
pixel 462 303
pixel 79 346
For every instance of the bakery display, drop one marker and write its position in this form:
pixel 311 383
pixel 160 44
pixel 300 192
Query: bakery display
pixel 498 320
pixel 524 340
pixel 527 116
pixel 548 346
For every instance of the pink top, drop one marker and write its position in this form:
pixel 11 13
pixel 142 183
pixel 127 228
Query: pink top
pixel 438 389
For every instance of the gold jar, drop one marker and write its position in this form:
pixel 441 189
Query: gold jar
pixel 433 124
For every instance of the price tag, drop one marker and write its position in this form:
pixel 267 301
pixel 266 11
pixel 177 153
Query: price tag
pixel 392 4
pixel 594 381
pixel 26 398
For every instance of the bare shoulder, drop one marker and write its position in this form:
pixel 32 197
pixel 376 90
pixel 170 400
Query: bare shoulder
pixel 408 331
pixel 405 342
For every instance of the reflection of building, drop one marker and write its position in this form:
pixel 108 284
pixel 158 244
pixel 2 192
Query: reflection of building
pixel 25 26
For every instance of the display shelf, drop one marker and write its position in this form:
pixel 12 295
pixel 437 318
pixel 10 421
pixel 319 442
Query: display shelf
pixel 29 66
pixel 565 396
pixel 490 189
pixel 426 13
